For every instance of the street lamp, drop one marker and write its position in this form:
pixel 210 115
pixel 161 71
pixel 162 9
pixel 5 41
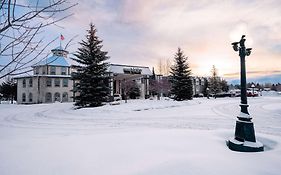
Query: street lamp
pixel 244 140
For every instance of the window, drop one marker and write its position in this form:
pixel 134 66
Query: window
pixel 57 82
pixel 37 70
pixel 53 70
pixel 49 82
pixel 65 82
pixel 48 97
pixel 44 70
pixel 30 97
pixel 57 96
pixel 64 97
pixel 30 82
pixel 63 70
pixel 23 97
pixel 23 83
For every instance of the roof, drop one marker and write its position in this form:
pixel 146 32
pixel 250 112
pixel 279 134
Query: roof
pixel 54 61
pixel 59 48
pixel 45 75
pixel 58 58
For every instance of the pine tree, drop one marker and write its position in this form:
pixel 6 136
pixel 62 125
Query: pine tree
pixel 214 82
pixel 8 90
pixel 92 80
pixel 181 78
pixel 224 86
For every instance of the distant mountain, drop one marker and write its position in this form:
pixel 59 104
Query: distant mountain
pixel 275 78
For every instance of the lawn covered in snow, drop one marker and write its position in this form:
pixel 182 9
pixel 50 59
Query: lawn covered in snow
pixel 141 137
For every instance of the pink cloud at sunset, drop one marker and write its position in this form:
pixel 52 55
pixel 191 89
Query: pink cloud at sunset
pixel 140 32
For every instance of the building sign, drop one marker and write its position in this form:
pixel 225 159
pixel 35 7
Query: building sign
pixel 132 70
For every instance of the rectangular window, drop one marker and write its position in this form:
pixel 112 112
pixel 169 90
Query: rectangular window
pixel 49 82
pixel 65 82
pixel 57 82
pixel 53 70
pixel 30 82
pixel 63 70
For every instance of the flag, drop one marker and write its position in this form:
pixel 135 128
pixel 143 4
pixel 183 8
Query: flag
pixel 61 37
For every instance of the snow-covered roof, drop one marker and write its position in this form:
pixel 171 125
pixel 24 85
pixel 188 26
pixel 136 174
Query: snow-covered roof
pixel 54 61
pixel 45 75
pixel 128 69
pixel 58 58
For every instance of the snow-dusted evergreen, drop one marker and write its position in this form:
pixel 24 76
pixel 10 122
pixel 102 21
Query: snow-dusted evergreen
pixel 181 78
pixel 91 78
pixel 214 82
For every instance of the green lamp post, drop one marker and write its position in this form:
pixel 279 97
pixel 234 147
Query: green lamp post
pixel 244 139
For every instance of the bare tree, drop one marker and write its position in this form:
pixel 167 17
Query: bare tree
pixel 167 67
pixel 20 26
pixel 164 67
pixel 160 67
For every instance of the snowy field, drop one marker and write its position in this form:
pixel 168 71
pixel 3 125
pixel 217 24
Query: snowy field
pixel 141 137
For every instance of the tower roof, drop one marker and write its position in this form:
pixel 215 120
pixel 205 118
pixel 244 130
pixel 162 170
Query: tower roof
pixel 57 59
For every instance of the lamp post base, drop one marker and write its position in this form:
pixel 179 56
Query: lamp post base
pixel 245 139
pixel 245 146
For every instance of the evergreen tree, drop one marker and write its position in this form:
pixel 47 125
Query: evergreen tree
pixel 8 90
pixel 181 80
pixel 92 80
pixel 224 86
pixel 214 82
pixel 134 91
pixel 153 83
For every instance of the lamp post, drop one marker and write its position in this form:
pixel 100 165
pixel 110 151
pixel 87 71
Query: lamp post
pixel 244 140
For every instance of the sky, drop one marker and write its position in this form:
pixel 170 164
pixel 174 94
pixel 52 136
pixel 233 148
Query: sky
pixel 142 32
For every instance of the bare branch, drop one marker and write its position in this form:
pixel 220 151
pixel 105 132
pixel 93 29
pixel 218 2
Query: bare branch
pixel 20 25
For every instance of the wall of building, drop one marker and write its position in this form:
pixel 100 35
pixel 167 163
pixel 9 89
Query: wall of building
pixel 39 89
pixel 44 89
pixel 27 90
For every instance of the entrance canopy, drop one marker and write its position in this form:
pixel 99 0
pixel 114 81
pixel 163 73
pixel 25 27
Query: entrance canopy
pixel 128 72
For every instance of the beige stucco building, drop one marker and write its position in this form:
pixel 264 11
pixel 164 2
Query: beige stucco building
pixel 50 82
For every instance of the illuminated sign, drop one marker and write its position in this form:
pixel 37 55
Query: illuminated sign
pixel 132 70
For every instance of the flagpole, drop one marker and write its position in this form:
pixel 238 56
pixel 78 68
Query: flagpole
pixel 60 40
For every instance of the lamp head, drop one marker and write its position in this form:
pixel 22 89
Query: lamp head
pixel 235 46
pixel 248 51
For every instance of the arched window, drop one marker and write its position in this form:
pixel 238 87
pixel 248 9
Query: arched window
pixel 23 83
pixel 23 97
pixel 57 96
pixel 64 97
pixel 30 82
pixel 48 97
pixel 30 97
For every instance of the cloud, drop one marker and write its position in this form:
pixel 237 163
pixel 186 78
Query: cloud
pixel 253 73
pixel 141 32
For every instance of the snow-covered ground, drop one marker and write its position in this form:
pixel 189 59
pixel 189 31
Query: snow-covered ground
pixel 141 137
